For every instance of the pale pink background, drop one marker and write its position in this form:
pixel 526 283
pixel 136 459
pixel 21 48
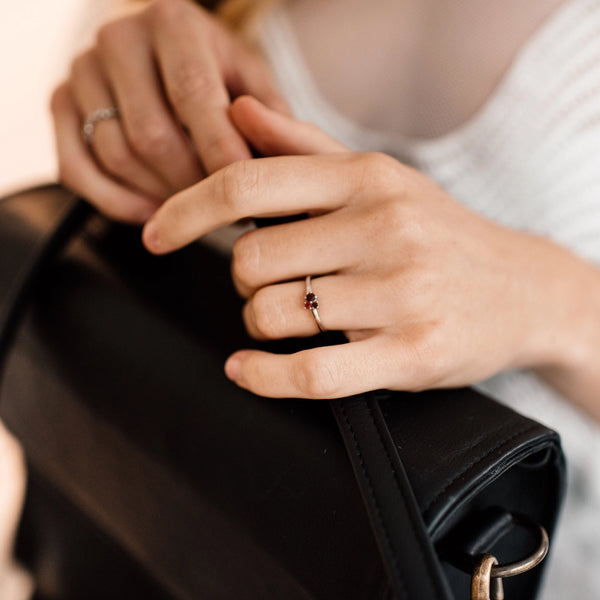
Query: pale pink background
pixel 37 39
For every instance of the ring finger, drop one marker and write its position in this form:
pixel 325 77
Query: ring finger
pixel 81 173
pixel 149 124
pixel 91 92
pixel 344 303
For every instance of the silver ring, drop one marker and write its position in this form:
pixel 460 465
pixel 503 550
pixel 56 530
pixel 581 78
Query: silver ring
pixel 311 302
pixel 102 114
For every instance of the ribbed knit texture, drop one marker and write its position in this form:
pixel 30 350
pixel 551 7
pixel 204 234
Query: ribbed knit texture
pixel 529 159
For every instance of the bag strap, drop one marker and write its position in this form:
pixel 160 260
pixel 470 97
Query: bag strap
pixel 62 215
pixel 407 552
pixel 410 560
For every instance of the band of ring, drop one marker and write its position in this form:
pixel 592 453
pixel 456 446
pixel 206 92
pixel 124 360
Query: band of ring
pixel 102 114
pixel 311 302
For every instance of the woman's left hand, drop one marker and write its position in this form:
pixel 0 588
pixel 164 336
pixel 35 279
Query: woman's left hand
pixel 428 293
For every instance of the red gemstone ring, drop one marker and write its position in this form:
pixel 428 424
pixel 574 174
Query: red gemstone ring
pixel 311 302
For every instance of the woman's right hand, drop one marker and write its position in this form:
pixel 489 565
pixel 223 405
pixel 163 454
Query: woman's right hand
pixel 171 69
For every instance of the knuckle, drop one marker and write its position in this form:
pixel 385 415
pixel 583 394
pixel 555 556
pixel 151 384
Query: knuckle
pixel 240 182
pixel 383 164
pixel 165 10
pixel 384 226
pixel 115 37
pixel 417 235
pixel 394 285
pixel 318 377
pixel 393 212
pixel 417 285
pixel 151 136
pixel 191 81
pixel 380 172
pixel 109 35
pixel 267 315
pixel 245 261
pixel 397 223
pixel 429 361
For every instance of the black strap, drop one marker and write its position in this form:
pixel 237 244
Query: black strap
pixel 29 263
pixel 408 554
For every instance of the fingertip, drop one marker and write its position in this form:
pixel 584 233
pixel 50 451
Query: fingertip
pixel 245 99
pixel 151 237
pixel 274 103
pixel 254 121
pixel 245 105
pixel 233 367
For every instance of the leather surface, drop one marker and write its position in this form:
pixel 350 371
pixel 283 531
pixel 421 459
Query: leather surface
pixel 411 561
pixel 467 458
pixel 215 492
pixel 115 387
pixel 33 224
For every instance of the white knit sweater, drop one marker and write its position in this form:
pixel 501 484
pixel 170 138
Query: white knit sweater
pixel 530 160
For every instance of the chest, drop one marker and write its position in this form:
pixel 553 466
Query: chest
pixel 414 67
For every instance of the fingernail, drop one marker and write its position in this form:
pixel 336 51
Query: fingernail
pixel 233 368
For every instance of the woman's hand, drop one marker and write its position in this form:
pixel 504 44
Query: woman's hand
pixel 428 293
pixel 171 70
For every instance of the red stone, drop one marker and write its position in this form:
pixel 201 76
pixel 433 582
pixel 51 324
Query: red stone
pixel 311 302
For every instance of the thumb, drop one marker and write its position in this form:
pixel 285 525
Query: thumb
pixel 272 133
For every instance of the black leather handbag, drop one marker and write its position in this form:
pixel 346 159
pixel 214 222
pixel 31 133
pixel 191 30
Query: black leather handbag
pixel 152 476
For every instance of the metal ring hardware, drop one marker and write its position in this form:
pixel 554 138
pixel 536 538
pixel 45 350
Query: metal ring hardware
pixel 483 586
pixel 486 581
pixel 522 566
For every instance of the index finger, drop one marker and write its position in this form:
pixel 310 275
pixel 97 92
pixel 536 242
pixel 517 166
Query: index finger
pixel 260 187
pixel 195 85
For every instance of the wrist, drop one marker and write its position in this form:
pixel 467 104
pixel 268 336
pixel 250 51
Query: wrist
pixel 562 342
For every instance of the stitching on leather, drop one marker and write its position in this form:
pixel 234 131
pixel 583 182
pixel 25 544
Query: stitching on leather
pixel 388 540
pixel 475 461
pixel 401 490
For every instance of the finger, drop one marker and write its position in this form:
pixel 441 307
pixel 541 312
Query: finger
pixel 247 73
pixel 265 187
pixel 320 373
pixel 149 125
pixel 91 92
pixel 273 133
pixel 323 244
pixel 194 83
pixel 79 171
pixel 345 303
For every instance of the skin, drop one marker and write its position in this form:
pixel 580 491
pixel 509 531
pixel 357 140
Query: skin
pixel 428 293
pixel 171 68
